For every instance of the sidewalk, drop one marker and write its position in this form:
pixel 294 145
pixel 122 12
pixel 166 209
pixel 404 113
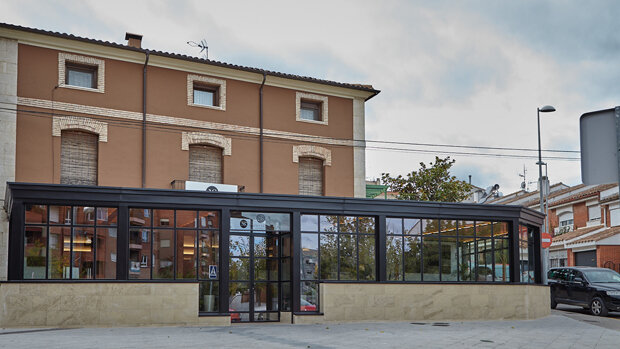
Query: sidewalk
pixel 554 331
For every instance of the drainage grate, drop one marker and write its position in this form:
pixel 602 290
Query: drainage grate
pixel 441 324
pixel 419 323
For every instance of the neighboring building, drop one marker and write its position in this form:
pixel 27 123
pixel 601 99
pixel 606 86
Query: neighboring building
pixel 376 190
pixel 100 140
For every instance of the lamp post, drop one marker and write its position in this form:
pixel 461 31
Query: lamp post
pixel 545 252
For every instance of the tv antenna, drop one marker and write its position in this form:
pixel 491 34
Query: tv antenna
pixel 203 47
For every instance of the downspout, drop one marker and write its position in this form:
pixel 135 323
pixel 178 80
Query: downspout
pixel 260 122
pixel 146 62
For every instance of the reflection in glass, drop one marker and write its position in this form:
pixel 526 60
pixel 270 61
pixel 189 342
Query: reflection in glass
pixel 36 214
pixel 348 257
pixel 59 253
pixel 367 257
pixel 394 256
pixel 485 260
pixel 413 258
pixel 394 226
pixel 35 242
pixel 466 228
pixel 239 301
pixel 501 260
pixel 163 254
pixel 347 224
pixel 285 288
pixel 107 215
pixel 431 257
pixel 60 214
pixel 448 227
pixel 186 254
pixel 266 246
pixel 266 296
pixel 449 258
pixel 366 225
pixel 412 226
pixel 286 245
pixel 484 229
pixel 467 255
pixel 84 215
pixel 163 218
pixel 239 245
pixel 329 255
pixel 186 219
pixel 208 253
pixel 106 253
pixel 309 296
pixel 309 256
pixel 83 266
pixel 140 217
pixel 261 221
pixel 209 300
pixel 139 253
pixel 209 219
pixel 265 269
pixel 500 229
pixel 329 224
pixel 430 226
pixel 286 269
pixel 309 222
pixel 239 269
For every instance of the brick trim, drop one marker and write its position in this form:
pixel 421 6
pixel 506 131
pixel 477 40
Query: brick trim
pixel 318 98
pixel 63 58
pixel 312 151
pixel 60 123
pixel 191 78
pixel 220 141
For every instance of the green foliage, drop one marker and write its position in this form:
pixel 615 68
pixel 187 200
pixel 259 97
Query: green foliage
pixel 429 183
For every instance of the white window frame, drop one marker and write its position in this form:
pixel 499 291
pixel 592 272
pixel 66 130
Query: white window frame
pixel 206 80
pixel 313 98
pixel 63 58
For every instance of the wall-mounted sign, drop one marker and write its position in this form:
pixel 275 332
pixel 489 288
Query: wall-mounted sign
pixel 213 272
pixel 210 187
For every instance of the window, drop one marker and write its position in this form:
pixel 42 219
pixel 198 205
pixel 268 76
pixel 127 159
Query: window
pixel 310 110
pixel 205 163
pixel 594 213
pixel 206 95
pixel 206 92
pixel 78 158
pixel 81 75
pixel 310 176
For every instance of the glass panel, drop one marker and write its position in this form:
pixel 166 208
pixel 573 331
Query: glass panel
pixel 186 219
pixel 285 287
pixel 500 229
pixel 163 254
pixel 239 301
pixel 329 255
pixel 83 266
pixel 431 258
pixel 265 269
pixel 430 227
pixel 448 227
pixel 309 222
pixel 186 254
pixel 239 245
pixel 266 316
pixel 139 253
pixel 466 228
pixel 36 214
pixel 81 78
pixel 309 296
pixel 107 215
pixel 309 114
pixel 467 253
pixel 394 225
pixel 309 256
pixel 266 296
pixel 413 258
pixel 163 218
pixel 266 246
pixel 84 215
pixel 263 221
pixel 394 255
pixel 366 225
pixel 286 245
pixel 449 259
pixel 348 257
pixel 140 217
pixel 203 97
pixel 209 300
pixel 523 253
pixel 209 219
pixel 106 253
pixel 413 226
pixel 239 269
pixel 367 257
pixel 209 253
pixel 485 260
pixel 286 269
pixel 60 214
pixel 484 229
pixel 59 252
pixel 347 224
pixel 35 245
pixel 502 273
pixel 328 224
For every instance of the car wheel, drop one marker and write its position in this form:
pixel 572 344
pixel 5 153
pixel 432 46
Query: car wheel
pixel 554 304
pixel 597 307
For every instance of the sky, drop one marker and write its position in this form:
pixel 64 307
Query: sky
pixel 467 73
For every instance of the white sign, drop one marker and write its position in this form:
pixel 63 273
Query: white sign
pixel 210 187
pixel 213 272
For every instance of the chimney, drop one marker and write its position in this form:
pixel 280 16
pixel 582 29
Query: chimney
pixel 133 40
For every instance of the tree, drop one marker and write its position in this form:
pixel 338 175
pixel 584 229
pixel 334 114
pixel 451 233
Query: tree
pixel 429 183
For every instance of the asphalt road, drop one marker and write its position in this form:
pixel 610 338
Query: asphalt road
pixel 612 321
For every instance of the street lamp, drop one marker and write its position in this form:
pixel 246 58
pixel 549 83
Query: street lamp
pixel 545 252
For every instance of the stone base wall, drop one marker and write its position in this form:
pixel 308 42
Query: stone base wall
pixel 429 302
pixel 101 304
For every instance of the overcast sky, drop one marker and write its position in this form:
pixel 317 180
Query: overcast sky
pixel 450 72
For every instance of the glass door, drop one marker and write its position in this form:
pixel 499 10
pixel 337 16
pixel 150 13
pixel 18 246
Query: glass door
pixel 254 260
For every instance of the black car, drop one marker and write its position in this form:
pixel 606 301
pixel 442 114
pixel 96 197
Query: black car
pixel 596 289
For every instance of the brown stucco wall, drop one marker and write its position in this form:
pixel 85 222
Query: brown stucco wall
pixel 38 153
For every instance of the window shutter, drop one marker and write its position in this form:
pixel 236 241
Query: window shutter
pixel 78 158
pixel 205 164
pixel 310 176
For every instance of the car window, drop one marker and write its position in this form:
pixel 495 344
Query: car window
pixel 572 274
pixel 555 274
pixel 603 276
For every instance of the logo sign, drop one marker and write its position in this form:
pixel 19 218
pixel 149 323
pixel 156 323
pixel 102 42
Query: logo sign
pixel 213 272
pixel 212 188
pixel 243 223
pixel 260 218
pixel 546 240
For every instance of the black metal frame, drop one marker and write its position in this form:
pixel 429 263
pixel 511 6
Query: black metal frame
pixel 18 194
